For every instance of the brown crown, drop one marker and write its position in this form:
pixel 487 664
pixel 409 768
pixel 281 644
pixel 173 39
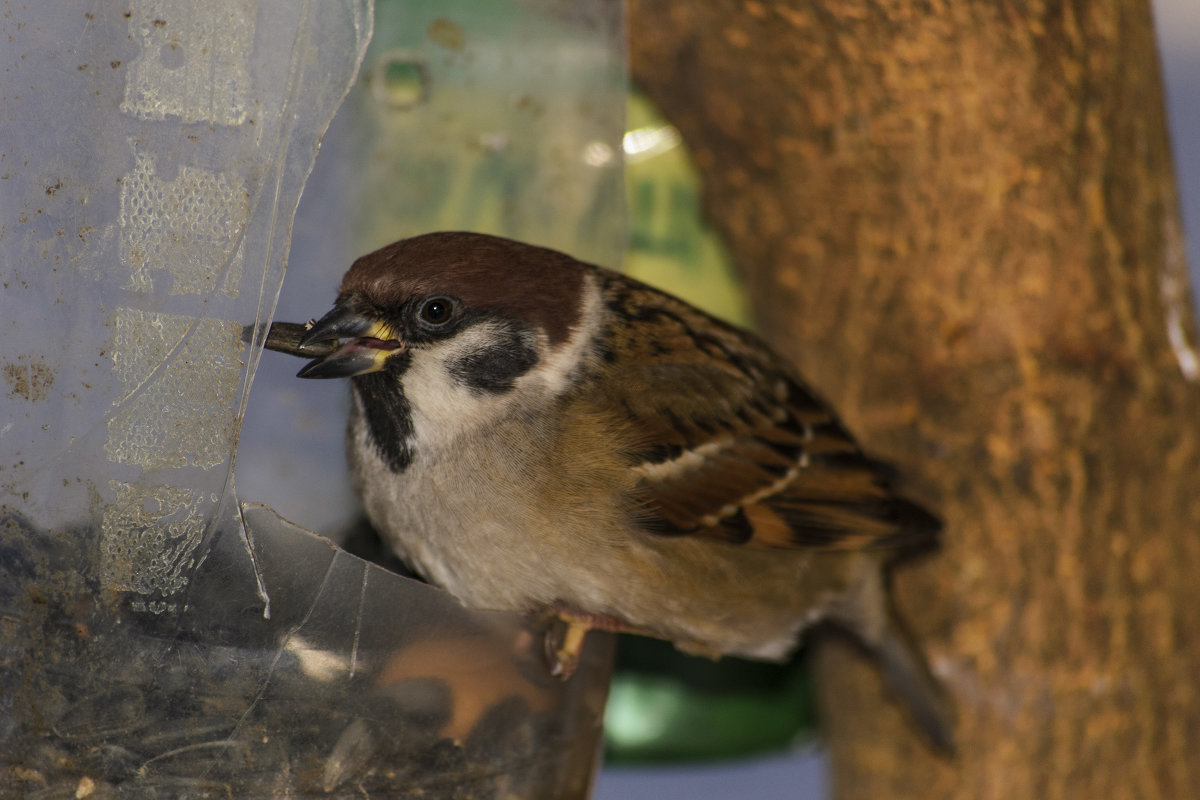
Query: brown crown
pixel 533 284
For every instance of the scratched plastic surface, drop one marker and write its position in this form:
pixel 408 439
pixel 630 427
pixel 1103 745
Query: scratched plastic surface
pixel 500 116
pixel 159 637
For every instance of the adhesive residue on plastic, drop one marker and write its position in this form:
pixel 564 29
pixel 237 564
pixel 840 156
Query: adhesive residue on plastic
pixel 181 377
pixel 190 227
pixel 193 60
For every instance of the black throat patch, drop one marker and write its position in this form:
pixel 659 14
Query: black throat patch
pixel 388 413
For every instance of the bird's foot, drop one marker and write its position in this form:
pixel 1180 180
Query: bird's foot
pixel 566 633
pixel 562 650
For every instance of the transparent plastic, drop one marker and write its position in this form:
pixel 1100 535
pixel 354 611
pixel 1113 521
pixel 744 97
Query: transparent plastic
pixel 498 116
pixel 158 636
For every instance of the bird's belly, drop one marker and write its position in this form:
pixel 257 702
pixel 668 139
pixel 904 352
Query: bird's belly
pixel 449 544
pixel 476 543
pixel 752 607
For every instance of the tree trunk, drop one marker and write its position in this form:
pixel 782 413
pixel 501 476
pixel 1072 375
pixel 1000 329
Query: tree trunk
pixel 959 219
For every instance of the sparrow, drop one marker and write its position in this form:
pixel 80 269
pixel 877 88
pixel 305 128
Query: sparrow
pixel 540 435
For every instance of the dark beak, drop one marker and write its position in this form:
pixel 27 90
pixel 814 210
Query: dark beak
pixel 367 345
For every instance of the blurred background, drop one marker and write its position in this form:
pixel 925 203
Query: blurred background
pixel 650 752
pixel 507 117
pixel 800 772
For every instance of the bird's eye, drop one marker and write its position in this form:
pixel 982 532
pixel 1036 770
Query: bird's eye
pixel 437 310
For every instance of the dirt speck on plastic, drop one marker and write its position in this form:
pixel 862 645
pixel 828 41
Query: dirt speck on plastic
pixel 28 377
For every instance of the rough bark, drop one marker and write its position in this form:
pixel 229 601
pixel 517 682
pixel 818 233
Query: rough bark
pixel 959 218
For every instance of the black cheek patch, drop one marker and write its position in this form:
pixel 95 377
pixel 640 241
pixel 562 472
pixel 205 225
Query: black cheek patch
pixel 495 369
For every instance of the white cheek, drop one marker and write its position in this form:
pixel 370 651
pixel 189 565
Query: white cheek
pixel 557 367
pixel 443 408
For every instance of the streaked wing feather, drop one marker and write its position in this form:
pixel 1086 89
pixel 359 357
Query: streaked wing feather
pixel 737 449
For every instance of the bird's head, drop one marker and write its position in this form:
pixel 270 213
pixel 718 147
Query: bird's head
pixel 489 308
pixel 458 322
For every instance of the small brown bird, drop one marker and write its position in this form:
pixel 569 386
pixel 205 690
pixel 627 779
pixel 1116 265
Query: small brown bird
pixel 536 434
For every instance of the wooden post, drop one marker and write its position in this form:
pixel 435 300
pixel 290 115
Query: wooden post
pixel 959 218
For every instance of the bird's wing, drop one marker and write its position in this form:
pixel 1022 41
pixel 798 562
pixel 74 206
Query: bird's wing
pixel 736 448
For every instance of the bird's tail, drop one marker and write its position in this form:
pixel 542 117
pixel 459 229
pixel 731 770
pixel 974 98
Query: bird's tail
pixel 867 611
pixel 907 674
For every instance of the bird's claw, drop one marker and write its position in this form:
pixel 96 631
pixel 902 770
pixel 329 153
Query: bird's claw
pixel 564 642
